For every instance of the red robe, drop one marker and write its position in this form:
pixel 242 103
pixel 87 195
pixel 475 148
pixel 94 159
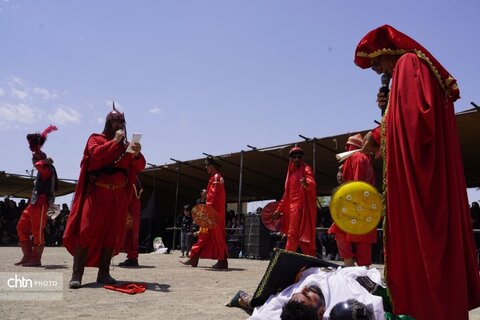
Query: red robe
pixel 98 215
pixel 211 243
pixel 299 208
pixel 431 268
pixel 357 167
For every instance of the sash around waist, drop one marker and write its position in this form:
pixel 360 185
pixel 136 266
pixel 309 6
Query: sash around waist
pixel 110 186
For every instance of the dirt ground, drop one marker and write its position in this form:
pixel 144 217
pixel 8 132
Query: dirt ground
pixel 173 291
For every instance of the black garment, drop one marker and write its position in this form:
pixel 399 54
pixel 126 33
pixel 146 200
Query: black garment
pixel 45 186
pixel 186 223
pixel 475 212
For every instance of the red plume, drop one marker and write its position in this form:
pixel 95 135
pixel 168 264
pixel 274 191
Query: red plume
pixel 48 130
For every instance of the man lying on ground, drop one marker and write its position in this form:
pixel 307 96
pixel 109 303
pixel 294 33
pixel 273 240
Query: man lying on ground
pixel 315 292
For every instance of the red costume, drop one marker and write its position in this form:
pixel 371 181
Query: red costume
pixel 34 217
pixel 130 244
pixel 357 167
pixel 211 242
pixel 96 225
pixel 299 208
pixel 99 210
pixel 431 268
pixel 33 220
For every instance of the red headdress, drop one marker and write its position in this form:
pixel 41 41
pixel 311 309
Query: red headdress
pixel 36 140
pixel 388 40
pixel 295 150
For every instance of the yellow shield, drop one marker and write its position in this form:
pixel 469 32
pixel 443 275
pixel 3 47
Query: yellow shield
pixel 356 207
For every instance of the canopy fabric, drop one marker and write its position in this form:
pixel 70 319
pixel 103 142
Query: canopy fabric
pixel 264 170
pixel 20 186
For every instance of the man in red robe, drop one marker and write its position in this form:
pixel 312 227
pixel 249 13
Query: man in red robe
pixel 299 205
pixel 96 225
pixel 130 245
pixel 211 243
pixel 431 268
pixel 34 218
pixel 357 167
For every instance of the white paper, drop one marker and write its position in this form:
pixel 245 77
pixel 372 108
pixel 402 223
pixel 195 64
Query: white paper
pixel 135 138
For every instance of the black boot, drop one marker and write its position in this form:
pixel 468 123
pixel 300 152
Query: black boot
pixel 193 261
pixel 129 262
pixel 221 264
pixel 103 275
pixel 79 261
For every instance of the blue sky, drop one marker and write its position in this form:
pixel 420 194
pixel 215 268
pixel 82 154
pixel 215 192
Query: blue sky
pixel 206 76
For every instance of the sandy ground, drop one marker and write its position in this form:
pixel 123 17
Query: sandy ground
pixel 174 291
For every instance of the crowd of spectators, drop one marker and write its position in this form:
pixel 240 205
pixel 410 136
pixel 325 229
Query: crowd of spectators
pixel 10 213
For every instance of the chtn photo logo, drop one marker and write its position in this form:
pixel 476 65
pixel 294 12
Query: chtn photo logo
pixel 17 282
pixel 25 282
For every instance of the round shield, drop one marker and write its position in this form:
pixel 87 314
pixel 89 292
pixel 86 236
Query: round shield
pixel 267 217
pixel 129 222
pixel 205 216
pixel 356 207
pixel 53 211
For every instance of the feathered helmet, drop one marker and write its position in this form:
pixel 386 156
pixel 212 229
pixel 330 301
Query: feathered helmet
pixel 115 115
pixel 37 140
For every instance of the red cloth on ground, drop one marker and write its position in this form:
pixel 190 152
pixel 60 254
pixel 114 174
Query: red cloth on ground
pixel 299 208
pixel 130 288
pixel 431 268
pixel 211 243
pixel 357 167
pixel 98 215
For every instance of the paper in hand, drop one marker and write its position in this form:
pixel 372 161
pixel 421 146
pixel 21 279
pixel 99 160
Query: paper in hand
pixel 135 138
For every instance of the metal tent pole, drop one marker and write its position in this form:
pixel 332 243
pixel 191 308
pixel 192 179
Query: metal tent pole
pixel 176 204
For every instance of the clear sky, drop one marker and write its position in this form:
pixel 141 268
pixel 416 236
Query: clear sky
pixel 207 76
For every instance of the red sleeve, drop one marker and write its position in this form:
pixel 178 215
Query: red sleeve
pixel 377 135
pixel 281 204
pixel 213 187
pixel 43 169
pixel 359 168
pixel 309 178
pixel 99 149
pixel 139 163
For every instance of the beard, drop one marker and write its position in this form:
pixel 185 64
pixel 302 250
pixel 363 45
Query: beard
pixel 110 129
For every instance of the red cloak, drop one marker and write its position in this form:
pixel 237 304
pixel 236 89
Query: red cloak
pixel 431 268
pixel 98 215
pixel 211 243
pixel 299 208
